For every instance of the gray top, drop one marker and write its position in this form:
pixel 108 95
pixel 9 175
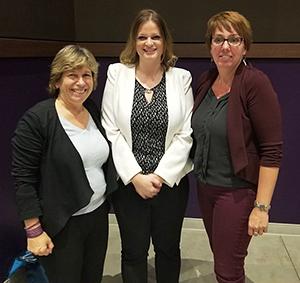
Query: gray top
pixel 93 150
pixel 149 124
pixel 212 158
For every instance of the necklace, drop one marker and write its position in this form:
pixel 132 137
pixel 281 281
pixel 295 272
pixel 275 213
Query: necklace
pixel 223 94
pixel 148 82
pixel 220 89
pixel 148 94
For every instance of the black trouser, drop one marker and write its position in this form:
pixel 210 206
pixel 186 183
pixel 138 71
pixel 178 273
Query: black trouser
pixel 159 218
pixel 79 249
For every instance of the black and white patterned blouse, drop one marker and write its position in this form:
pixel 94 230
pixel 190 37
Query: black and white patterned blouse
pixel 149 124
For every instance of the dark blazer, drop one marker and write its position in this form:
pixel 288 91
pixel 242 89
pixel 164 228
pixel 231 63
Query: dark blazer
pixel 49 175
pixel 254 127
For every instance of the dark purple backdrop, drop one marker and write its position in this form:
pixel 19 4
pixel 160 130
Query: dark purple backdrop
pixel 23 82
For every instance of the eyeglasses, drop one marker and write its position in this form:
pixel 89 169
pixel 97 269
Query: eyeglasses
pixel 232 40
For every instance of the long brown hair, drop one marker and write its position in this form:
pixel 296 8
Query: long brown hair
pixel 129 55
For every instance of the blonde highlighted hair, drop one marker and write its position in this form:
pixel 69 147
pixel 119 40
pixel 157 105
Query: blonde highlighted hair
pixel 68 58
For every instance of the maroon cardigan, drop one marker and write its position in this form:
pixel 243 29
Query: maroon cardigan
pixel 253 120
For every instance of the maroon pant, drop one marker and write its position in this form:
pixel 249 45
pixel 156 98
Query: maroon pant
pixel 225 215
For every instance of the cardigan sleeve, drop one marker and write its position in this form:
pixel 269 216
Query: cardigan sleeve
pixel 265 117
pixel 27 144
pixel 177 153
pixel 125 162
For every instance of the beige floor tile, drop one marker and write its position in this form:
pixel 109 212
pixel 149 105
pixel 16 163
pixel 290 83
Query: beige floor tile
pixel 284 228
pixel 272 258
pixel 292 244
pixel 269 262
pixel 195 245
pixel 114 243
pixel 268 250
pixel 197 259
pixel 270 274
pixel 112 266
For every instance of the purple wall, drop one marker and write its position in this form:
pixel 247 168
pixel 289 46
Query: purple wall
pixel 23 82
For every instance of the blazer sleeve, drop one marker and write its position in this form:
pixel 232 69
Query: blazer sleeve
pixel 176 155
pixel 125 162
pixel 27 148
pixel 265 117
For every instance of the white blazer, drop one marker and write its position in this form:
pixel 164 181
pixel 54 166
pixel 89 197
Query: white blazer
pixel 116 113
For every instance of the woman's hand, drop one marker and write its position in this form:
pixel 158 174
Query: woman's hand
pixel 41 245
pixel 258 222
pixel 161 180
pixel 147 186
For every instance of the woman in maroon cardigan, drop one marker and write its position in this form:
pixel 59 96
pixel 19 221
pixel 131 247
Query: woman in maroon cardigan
pixel 238 145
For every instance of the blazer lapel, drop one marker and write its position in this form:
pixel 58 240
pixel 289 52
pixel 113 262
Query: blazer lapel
pixel 125 94
pixel 170 93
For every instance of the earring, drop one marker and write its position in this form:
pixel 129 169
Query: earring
pixel 244 61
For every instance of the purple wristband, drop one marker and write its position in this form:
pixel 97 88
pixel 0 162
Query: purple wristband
pixel 31 226
pixel 32 233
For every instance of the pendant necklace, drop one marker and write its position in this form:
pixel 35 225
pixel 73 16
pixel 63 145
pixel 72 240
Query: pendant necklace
pixel 148 94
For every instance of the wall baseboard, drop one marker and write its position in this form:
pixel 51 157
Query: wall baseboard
pixel 197 224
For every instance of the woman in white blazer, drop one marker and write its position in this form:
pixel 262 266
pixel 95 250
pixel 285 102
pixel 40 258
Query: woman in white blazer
pixel 146 112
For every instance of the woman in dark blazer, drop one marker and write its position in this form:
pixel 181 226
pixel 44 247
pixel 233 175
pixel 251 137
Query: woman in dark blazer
pixel 63 173
pixel 238 145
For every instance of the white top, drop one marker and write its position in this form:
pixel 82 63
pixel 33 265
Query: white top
pixel 116 112
pixel 93 150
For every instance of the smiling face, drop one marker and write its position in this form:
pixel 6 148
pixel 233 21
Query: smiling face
pixel 149 42
pixel 227 56
pixel 75 85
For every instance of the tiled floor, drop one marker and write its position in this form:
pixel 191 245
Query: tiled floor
pixel 273 258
